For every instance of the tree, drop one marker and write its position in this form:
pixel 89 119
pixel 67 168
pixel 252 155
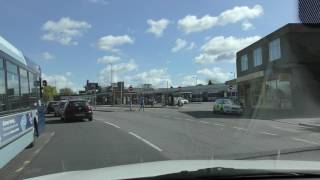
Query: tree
pixel 49 92
pixel 66 92
pixel 210 82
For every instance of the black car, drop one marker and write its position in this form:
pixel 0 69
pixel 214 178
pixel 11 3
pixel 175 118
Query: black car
pixel 76 109
pixel 51 106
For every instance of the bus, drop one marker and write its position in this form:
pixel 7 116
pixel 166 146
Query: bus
pixel 21 110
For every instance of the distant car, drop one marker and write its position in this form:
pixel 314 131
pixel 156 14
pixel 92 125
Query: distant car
pixel 50 106
pixel 226 106
pixel 76 109
pixel 183 100
pixel 59 108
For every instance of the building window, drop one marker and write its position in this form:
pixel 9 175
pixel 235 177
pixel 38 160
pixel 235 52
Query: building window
pixel 274 50
pixel 257 57
pixel 244 62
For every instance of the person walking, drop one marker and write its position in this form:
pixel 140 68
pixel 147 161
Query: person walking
pixel 141 103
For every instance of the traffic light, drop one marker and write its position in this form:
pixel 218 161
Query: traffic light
pixel 44 83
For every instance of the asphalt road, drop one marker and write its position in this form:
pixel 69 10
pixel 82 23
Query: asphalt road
pixel 117 136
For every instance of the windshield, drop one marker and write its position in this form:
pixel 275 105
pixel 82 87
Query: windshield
pixel 88 84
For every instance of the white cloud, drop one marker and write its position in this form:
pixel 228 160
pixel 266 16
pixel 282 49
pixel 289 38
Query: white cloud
pixel 239 13
pixel 68 73
pixel 246 25
pixel 64 31
pixel 191 80
pixel 156 77
pixel 182 44
pixel 103 2
pixel 118 71
pixel 215 74
pixel 108 59
pixel 222 48
pixel 110 42
pixel 191 46
pixel 157 27
pixel 46 56
pixel 60 81
pixel 191 23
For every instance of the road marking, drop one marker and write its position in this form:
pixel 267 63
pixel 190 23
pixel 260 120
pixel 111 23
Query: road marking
pixel 166 116
pixel 112 125
pixel 217 124
pixel 285 129
pixel 177 118
pixel 267 133
pixel 204 122
pixel 306 141
pixel 240 128
pixel 25 163
pixel 146 141
pixel 190 120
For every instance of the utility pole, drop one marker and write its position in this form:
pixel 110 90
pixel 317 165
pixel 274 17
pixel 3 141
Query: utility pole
pixel 111 80
pixel 121 93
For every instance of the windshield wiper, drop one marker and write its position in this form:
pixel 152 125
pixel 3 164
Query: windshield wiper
pixel 231 173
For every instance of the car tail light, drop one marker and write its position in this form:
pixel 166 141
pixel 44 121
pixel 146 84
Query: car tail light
pixel 88 109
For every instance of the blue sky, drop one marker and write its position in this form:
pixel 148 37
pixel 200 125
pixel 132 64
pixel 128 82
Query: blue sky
pixel 138 37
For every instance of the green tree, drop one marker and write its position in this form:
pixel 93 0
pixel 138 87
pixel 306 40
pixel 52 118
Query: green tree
pixel 210 82
pixel 49 92
pixel 66 92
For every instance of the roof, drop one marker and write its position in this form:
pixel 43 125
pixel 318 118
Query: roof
pixel 12 51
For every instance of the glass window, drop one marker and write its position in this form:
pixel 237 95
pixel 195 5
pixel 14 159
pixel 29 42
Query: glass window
pixel 274 50
pixel 244 63
pixel 2 86
pixel 24 82
pixel 13 86
pixel 257 57
pixel 13 80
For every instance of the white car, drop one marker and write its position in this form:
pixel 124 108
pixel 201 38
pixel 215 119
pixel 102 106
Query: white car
pixel 226 106
pixel 184 101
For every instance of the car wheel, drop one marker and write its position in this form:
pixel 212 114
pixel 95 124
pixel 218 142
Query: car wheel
pixel 90 118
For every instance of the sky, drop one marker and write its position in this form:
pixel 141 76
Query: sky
pixel 181 42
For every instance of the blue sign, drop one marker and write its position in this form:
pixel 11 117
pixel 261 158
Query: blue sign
pixel 12 126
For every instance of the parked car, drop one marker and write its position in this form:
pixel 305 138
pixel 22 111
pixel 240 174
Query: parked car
pixel 59 108
pixel 50 106
pixel 226 106
pixel 184 101
pixel 76 109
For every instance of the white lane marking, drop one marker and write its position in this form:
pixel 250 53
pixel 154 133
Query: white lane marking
pixel 240 128
pixel 217 124
pixel 146 141
pixel 204 122
pixel 267 133
pixel 166 116
pixel 177 118
pixel 25 163
pixel 190 120
pixel 306 141
pixel 111 124
pixel 285 129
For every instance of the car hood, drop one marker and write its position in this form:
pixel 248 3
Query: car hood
pixel 174 166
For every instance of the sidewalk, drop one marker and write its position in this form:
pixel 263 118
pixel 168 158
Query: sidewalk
pixel 286 116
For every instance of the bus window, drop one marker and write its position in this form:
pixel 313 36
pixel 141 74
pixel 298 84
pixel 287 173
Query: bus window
pixel 33 89
pixel 24 84
pixel 13 86
pixel 2 87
